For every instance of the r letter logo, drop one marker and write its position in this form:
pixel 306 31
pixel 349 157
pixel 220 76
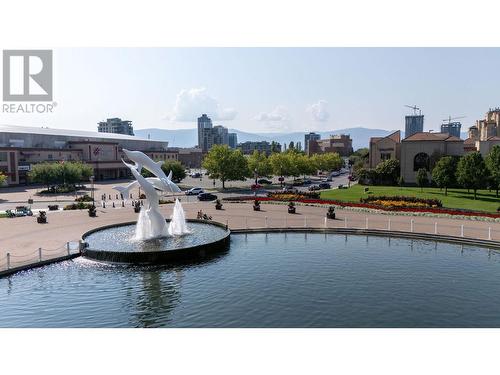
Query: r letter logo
pixel 27 75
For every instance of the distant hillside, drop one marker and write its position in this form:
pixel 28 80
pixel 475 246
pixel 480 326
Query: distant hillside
pixel 188 137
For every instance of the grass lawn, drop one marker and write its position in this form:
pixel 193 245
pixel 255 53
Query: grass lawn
pixel 456 198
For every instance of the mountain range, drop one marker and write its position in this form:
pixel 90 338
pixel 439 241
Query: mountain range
pixel 188 137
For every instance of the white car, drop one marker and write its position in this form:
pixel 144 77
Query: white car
pixel 194 191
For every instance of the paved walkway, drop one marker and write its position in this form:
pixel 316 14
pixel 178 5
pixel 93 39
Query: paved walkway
pixel 21 237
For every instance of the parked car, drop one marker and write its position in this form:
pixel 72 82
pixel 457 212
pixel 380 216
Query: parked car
pixel 307 182
pixel 207 197
pixel 324 185
pixel 335 174
pixel 351 178
pixel 297 182
pixel 23 211
pixel 314 187
pixel 256 186
pixel 264 181
pixel 289 189
pixel 194 191
pixel 196 175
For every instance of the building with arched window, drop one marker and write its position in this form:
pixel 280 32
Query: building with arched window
pixel 422 150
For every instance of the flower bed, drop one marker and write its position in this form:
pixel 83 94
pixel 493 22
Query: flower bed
pixel 77 206
pixel 283 196
pixel 84 198
pixel 431 210
pixel 397 202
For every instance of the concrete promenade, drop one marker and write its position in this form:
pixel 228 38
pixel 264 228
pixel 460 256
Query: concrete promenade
pixel 23 236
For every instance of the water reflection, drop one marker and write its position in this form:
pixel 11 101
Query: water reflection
pixel 155 300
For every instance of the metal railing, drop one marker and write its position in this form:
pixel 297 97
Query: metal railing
pixel 479 231
pixel 13 260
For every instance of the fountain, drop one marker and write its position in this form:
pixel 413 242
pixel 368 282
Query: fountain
pixel 151 239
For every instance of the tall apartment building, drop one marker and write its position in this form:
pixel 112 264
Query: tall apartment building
pixel 205 139
pixel 452 128
pixel 220 135
pixel 116 126
pixel 413 124
pixel 209 135
pixel 310 137
pixel 233 140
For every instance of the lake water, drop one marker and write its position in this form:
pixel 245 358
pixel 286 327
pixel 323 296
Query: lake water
pixel 273 280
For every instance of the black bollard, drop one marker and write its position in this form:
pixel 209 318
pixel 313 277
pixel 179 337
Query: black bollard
pixel 123 203
pixel 103 204
pixel 113 204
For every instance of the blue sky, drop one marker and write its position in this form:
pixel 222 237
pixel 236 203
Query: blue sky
pixel 273 89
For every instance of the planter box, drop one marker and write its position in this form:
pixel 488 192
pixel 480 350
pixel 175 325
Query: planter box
pixel 291 210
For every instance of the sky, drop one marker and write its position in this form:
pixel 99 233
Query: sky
pixel 269 89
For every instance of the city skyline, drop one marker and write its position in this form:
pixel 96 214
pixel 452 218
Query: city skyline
pixel 268 89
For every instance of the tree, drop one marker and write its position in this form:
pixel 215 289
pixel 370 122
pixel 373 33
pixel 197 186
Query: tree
pixel 330 161
pixel 443 173
pixel 422 179
pixel 361 155
pixel 282 165
pixel 178 171
pixel 43 173
pixel 472 172
pixel 225 164
pixel 388 172
pixel 492 161
pixel 3 178
pixel 304 164
pixel 275 147
pixel 259 163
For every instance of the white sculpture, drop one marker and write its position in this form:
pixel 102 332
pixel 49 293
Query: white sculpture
pixel 151 223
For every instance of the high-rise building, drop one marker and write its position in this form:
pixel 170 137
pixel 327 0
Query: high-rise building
pixel 233 140
pixel 116 126
pixel 310 137
pixel 205 139
pixel 209 135
pixel 220 135
pixel 413 124
pixel 452 128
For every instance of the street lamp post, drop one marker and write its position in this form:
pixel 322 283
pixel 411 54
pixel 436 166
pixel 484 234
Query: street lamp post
pixel 92 189
pixel 255 174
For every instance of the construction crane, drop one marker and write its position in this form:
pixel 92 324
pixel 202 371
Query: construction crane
pixel 415 109
pixel 449 119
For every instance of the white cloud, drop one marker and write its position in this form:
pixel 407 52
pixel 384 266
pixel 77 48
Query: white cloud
pixel 190 104
pixel 319 111
pixel 280 113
